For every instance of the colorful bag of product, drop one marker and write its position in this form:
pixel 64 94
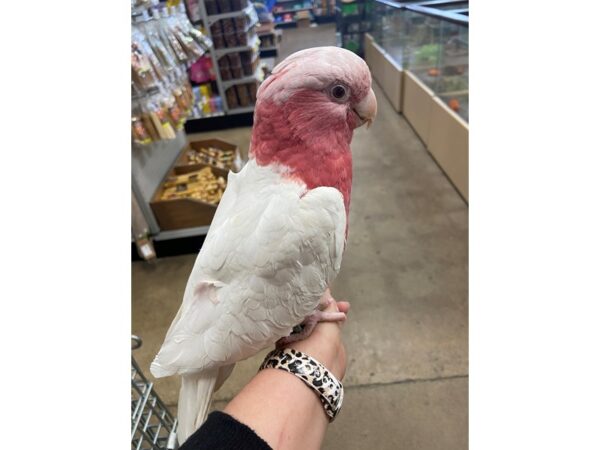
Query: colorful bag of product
pixel 202 70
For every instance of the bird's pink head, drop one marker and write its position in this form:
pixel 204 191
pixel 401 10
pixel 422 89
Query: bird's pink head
pixel 306 112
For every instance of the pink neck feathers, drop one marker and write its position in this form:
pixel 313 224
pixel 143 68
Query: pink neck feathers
pixel 306 136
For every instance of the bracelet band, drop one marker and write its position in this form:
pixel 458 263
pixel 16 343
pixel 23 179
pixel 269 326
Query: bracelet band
pixel 316 376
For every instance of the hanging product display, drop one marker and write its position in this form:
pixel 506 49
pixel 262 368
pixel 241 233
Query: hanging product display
pixel 164 44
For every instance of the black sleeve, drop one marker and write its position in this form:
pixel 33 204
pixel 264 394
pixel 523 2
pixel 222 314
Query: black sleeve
pixel 223 432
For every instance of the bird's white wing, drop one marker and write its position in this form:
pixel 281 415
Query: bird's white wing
pixel 272 250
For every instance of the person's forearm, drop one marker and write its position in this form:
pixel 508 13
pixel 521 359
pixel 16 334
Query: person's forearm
pixel 282 410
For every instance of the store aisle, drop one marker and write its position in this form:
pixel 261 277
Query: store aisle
pixel 405 273
pixel 295 39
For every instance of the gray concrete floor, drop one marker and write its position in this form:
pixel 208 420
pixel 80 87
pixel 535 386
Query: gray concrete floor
pixel 405 273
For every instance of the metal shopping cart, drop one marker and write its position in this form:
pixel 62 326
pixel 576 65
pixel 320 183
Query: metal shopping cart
pixel 153 427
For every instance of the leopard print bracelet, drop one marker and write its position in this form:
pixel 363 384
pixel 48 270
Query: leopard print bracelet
pixel 327 387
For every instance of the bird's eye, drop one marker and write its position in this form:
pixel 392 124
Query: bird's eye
pixel 339 92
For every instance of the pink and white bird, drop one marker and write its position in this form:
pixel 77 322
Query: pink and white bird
pixel 276 241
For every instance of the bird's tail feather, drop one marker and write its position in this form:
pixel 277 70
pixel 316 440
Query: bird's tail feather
pixel 195 398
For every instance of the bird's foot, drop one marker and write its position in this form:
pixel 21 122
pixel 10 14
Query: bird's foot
pixel 309 323
pixel 326 300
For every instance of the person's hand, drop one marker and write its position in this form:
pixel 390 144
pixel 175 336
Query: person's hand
pixel 325 343
pixel 279 406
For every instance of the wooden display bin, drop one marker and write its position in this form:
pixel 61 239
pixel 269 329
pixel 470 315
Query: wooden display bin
pixel 178 213
pixel 183 166
pixel 175 214
pixel 182 212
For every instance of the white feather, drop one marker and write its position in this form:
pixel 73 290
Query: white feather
pixel 272 250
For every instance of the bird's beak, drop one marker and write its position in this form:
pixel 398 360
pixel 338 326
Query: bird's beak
pixel 366 109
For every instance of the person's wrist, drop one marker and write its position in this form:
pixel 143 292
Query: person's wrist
pixel 313 373
pixel 327 354
pixel 325 343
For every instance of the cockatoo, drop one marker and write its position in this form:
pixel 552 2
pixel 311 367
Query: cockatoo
pixel 276 241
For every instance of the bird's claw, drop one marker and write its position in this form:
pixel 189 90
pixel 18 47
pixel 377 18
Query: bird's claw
pixel 307 326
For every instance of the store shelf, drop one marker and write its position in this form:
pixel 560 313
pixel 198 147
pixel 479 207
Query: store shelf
pixel 252 44
pixel 208 116
pixel 289 11
pixel 287 24
pixel 182 233
pixel 149 165
pixel 220 122
pixel 324 18
pixel 354 18
pixel 272 53
pixel 242 110
pixel 216 17
pixel 254 77
pixel 254 22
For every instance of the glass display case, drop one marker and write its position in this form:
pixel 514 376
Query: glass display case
pixel 388 28
pixel 431 39
pixel 452 85
pixel 422 50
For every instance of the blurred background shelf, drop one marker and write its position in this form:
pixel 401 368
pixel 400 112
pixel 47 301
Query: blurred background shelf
pixel 218 121
pixel 229 15
pixel 256 76
pixel 270 40
pixel 254 42
pixel 287 24
pixel 289 11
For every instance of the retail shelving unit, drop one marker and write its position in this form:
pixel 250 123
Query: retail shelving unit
pixel 313 11
pixel 150 161
pixel 199 124
pixel 149 165
pixel 269 40
pixel 324 11
pixel 284 9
